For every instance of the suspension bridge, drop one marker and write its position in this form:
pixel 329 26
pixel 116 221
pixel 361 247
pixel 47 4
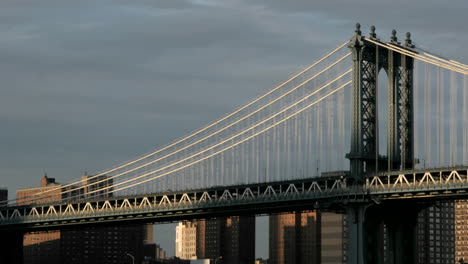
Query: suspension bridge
pixel 372 127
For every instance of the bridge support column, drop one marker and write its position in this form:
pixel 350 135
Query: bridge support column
pixel 11 247
pixel 370 243
pixel 401 236
pixel 364 236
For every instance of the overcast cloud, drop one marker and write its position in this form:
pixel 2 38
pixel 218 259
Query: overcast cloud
pixel 88 84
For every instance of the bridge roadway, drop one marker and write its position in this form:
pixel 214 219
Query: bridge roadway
pixel 320 193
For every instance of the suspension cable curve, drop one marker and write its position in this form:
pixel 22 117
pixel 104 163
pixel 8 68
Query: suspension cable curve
pixel 235 144
pixel 445 65
pixel 191 135
pixel 416 56
pixel 220 143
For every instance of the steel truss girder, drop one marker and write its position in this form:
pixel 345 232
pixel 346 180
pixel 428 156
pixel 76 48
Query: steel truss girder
pixel 115 207
pixel 437 183
pixel 441 183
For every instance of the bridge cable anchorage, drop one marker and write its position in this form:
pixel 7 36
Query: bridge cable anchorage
pixel 224 149
pixel 226 140
pixel 73 184
pixel 395 48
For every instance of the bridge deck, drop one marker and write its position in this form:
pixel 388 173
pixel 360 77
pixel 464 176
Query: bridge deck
pixel 321 193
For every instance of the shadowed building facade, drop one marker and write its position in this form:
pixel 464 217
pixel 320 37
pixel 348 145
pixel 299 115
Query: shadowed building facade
pixel 230 239
pixel 91 244
pixel 3 196
pixel 435 233
pixel 294 238
pixel 461 230
pixel 333 238
pixel 44 246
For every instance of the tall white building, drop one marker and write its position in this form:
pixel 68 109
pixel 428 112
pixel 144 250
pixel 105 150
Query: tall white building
pixel 186 240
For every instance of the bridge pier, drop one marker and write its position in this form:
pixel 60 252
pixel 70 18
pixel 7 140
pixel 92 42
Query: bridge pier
pixel 401 235
pixel 11 247
pixel 370 243
pixel 365 236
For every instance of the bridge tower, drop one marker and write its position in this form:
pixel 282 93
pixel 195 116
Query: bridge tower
pixel 367 220
pixel 368 60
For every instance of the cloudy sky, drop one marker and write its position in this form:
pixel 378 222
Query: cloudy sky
pixel 88 84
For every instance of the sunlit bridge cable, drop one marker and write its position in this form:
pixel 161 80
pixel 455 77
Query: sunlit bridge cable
pixel 189 136
pixel 229 139
pixel 154 161
pixel 219 131
pixel 248 129
pixel 419 57
pixel 222 150
pixel 446 61
pixel 439 63
pixel 459 64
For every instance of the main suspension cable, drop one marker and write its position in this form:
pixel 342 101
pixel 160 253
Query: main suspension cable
pixel 222 142
pixel 184 138
pixel 416 56
pixel 217 152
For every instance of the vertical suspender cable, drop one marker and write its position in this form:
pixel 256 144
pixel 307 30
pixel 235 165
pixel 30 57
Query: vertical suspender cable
pixel 441 128
pixel 453 123
pixel 416 96
pixel 465 121
pixel 376 108
pixel 428 115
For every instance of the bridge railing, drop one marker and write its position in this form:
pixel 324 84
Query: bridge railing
pixel 420 182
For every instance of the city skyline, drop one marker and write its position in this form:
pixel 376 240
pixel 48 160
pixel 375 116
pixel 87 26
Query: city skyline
pixel 71 76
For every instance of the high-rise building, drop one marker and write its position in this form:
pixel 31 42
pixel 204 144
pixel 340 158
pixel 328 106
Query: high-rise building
pixel 41 247
pixel 97 186
pixel 436 234
pixel 153 252
pixel 461 230
pixel 295 238
pixel 107 244
pixel 238 243
pixel 3 196
pixel 333 238
pixel 186 240
pixel 230 239
pixel 47 192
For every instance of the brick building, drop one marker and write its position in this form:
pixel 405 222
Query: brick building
pixel 89 244
pixel 186 240
pixel 229 239
pixel 3 196
pixel 435 233
pixel 294 238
